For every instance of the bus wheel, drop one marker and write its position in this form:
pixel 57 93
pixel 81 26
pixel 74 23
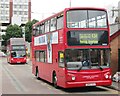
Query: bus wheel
pixel 55 80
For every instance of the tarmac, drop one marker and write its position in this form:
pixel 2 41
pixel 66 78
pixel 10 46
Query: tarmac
pixel 115 85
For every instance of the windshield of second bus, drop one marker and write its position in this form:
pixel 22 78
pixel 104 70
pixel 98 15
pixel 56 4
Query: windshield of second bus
pixel 89 58
pixel 86 19
pixel 18 53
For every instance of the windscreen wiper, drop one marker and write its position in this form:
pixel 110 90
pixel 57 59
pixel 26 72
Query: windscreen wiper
pixel 100 68
pixel 79 68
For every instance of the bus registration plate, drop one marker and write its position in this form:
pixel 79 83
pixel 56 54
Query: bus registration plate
pixel 91 84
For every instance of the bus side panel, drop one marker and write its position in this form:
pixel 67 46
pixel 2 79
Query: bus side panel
pixel 60 70
pixel 33 66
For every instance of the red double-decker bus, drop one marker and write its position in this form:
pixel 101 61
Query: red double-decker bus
pixel 16 50
pixel 72 48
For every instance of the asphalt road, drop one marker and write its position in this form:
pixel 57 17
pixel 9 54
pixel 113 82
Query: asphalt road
pixel 18 79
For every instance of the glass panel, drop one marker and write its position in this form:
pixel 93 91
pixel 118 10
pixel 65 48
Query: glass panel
pixel 87 38
pixel 18 47
pixel 89 58
pixel 60 22
pixel 77 19
pixel 61 59
pixel 86 19
pixel 37 56
pixel 53 24
pixel 42 56
pixel 47 26
pixel 42 28
pixel 18 54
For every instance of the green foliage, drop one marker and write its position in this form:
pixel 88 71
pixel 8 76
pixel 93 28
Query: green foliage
pixel 28 30
pixel 12 31
pixel 15 31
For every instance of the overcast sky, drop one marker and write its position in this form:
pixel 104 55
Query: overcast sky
pixel 44 8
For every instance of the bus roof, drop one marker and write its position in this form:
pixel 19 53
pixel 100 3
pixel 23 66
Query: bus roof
pixel 17 41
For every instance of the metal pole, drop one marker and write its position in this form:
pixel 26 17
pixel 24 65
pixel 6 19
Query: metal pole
pixel 70 3
pixel 23 31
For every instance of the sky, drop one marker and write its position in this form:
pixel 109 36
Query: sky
pixel 44 8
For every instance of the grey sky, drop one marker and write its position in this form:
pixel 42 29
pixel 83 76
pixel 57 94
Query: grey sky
pixel 44 8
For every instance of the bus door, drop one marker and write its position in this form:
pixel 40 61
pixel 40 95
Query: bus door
pixel 61 65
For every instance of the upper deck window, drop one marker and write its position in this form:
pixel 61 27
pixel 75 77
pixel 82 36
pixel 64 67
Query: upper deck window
pixel 86 19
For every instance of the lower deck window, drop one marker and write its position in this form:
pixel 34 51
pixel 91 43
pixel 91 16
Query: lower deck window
pixel 40 56
pixel 89 58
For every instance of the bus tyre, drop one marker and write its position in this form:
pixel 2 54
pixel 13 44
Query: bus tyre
pixel 55 80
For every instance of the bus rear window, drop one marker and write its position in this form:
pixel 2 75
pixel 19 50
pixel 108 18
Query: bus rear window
pixel 76 38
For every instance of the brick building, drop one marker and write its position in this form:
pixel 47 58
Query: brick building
pixel 115 51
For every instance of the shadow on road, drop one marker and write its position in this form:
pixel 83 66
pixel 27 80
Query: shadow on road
pixel 75 90
pixel 83 89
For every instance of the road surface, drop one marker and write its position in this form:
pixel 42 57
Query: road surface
pixel 18 79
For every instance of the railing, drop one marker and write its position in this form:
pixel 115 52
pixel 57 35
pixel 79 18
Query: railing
pixel 114 28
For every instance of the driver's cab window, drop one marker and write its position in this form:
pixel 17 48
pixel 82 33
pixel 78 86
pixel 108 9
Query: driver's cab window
pixel 13 54
pixel 61 59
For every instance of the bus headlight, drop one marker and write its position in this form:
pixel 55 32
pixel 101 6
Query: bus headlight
pixel 73 77
pixel 106 76
pixel 12 59
pixel 110 76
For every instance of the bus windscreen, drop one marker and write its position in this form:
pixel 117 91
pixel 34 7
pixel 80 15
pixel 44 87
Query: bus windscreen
pixel 86 19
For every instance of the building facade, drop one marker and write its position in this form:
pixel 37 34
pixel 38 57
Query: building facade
pixel 115 44
pixel 14 12
pixel 115 51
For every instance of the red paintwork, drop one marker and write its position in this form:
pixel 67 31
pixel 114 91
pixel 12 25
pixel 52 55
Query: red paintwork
pixel 83 77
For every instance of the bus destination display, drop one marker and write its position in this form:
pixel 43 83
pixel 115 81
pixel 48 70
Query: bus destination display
pixel 88 38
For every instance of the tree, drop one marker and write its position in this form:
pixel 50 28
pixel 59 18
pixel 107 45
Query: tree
pixel 12 31
pixel 28 30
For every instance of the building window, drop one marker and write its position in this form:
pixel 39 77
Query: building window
pixel 15 12
pixel 25 13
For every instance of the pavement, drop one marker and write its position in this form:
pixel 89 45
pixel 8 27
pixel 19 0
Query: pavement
pixel 115 85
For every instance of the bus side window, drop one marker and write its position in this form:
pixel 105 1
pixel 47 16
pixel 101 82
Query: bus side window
pixel 42 28
pixel 47 27
pixel 37 31
pixel 34 31
pixel 53 24
pixel 61 58
pixel 60 22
